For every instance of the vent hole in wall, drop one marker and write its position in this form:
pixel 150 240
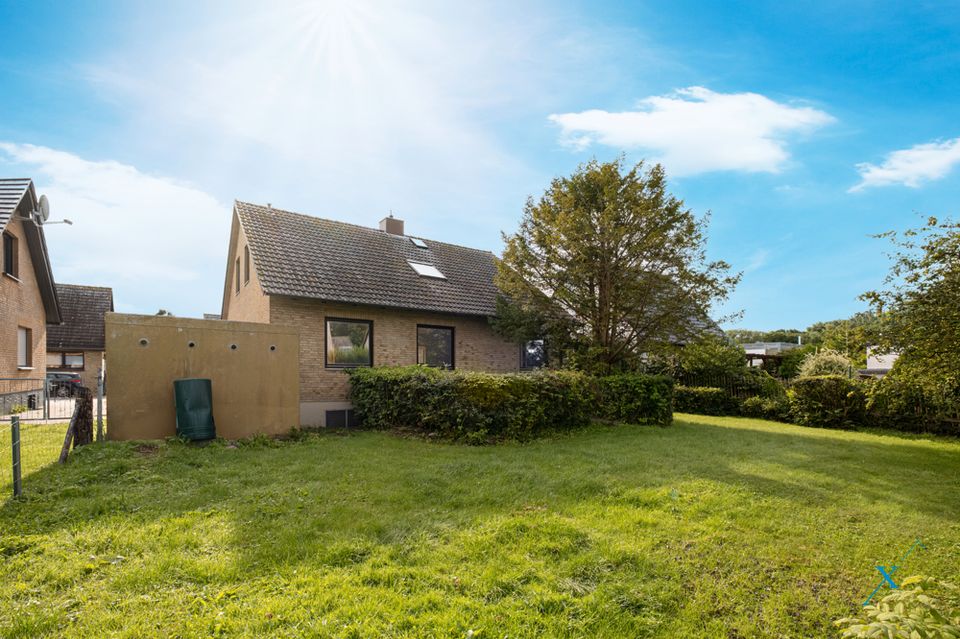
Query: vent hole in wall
pixel 273 347
pixel 191 344
pixel 233 347
pixel 144 341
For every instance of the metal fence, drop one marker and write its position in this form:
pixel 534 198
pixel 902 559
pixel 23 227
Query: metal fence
pixel 36 400
pixel 33 432
pixel 738 386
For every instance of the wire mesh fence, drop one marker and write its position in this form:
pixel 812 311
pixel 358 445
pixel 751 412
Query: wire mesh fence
pixel 39 444
pixel 31 443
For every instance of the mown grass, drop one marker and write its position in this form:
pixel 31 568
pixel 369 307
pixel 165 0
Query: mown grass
pixel 714 527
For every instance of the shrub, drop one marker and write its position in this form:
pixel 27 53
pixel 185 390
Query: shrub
pixel 826 362
pixel 790 363
pixel 704 401
pixel 773 408
pixel 711 355
pixel 921 607
pixel 909 405
pixel 636 399
pixel 472 407
pixel 829 401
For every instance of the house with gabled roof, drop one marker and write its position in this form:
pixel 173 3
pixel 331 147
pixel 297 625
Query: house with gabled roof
pixel 77 344
pixel 362 297
pixel 28 298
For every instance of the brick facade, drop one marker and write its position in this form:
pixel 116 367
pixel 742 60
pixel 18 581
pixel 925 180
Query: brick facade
pixel 250 304
pixel 476 346
pixel 21 306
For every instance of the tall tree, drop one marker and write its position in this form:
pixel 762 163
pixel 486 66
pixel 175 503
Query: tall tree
pixel 608 260
pixel 921 301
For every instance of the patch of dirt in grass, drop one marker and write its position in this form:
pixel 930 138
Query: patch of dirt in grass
pixel 147 450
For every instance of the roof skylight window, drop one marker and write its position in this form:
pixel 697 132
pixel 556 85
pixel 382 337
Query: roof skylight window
pixel 418 242
pixel 426 270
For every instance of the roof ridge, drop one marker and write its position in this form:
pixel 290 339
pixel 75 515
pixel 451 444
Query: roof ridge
pixel 102 288
pixel 359 226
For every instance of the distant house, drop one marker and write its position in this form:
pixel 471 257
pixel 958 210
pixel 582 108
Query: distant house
pixel 878 364
pixel 363 297
pixel 77 344
pixel 28 298
pixel 759 352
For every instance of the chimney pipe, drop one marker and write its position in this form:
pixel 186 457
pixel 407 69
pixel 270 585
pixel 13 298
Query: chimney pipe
pixel 391 225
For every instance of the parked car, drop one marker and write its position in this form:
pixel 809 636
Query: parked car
pixel 63 384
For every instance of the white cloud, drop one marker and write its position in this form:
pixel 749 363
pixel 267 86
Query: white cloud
pixel 155 240
pixel 695 130
pixel 911 167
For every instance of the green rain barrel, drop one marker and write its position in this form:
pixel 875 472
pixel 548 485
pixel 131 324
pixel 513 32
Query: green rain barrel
pixel 194 401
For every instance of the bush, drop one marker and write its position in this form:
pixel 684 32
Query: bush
pixel 472 407
pixel 921 607
pixel 826 362
pixel 829 401
pixel 713 356
pixel 704 401
pixel 905 404
pixel 790 363
pixel 636 399
pixel 773 408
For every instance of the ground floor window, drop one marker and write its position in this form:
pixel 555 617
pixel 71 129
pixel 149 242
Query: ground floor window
pixel 348 343
pixel 65 360
pixel 435 346
pixel 533 354
pixel 24 347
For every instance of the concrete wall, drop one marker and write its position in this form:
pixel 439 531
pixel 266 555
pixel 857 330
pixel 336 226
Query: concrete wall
pixel 476 347
pixel 255 385
pixel 21 305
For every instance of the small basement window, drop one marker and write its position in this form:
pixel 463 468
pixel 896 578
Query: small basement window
pixel 426 270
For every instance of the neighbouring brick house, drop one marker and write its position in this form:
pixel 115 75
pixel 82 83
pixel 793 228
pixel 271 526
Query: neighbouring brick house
pixel 362 297
pixel 28 298
pixel 77 345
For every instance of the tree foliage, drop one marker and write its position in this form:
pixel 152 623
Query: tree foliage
pixel 921 301
pixel 712 355
pixel 825 362
pixel 609 262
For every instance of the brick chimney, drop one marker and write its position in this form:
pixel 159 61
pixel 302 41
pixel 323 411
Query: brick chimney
pixel 392 225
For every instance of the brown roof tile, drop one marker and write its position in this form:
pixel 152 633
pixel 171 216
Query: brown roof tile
pixel 82 309
pixel 303 256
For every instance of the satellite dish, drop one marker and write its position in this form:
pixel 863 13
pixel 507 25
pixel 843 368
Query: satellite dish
pixel 43 209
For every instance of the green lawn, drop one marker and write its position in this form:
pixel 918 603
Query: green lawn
pixel 40 445
pixel 714 527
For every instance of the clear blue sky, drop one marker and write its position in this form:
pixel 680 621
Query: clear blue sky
pixel 803 127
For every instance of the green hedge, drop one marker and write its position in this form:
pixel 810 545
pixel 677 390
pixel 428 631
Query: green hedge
pixel 829 401
pixel 704 401
pixel 471 407
pixel 910 406
pixel 775 409
pixel 636 399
